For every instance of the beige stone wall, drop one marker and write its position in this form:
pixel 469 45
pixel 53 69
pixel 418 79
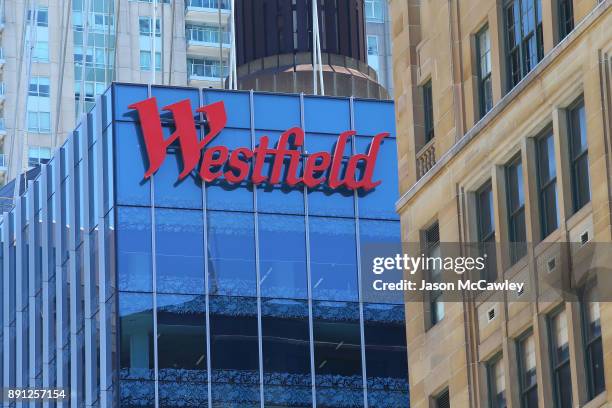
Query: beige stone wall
pixel 468 153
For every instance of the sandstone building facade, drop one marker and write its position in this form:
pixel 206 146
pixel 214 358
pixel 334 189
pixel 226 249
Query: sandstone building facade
pixel 504 118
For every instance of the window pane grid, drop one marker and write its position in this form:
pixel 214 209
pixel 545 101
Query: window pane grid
pixel 523 38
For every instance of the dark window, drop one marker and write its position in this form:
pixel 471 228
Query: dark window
pixel 592 343
pixel 432 249
pixel 386 355
pixel 547 184
pixel 566 17
pixel 527 371
pixel 136 336
pixel 337 354
pixel 286 352
pixel 516 209
pixel 496 381
pixel 486 231
pixel 579 156
pixel 428 120
pixel 443 400
pixel 559 351
pixel 524 44
pixel 181 338
pixel 234 351
pixel 483 53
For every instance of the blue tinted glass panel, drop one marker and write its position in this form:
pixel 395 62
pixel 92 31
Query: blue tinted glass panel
pixel 136 336
pixel 232 138
pixel 279 197
pixel 236 106
pixel 235 374
pixel 380 202
pixel 223 196
pixel 286 353
pixel 172 192
pixel 276 112
pixel 282 256
pixel 337 354
pixel 181 338
pixel 333 256
pixel 325 142
pixel 386 355
pixel 326 115
pixel 131 163
pixel 379 239
pixel 134 249
pixel 231 251
pixel 373 117
pixel 125 95
pixel 167 96
pixel 179 251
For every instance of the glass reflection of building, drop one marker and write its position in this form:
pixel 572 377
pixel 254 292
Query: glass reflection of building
pixel 207 295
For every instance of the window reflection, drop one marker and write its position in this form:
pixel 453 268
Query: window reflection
pixel 234 351
pixel 333 258
pixel 386 355
pixel 181 338
pixel 231 250
pixel 180 251
pixel 136 325
pixel 337 354
pixel 282 246
pixel 134 249
pixel 286 353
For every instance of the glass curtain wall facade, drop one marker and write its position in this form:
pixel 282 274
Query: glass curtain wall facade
pixel 161 293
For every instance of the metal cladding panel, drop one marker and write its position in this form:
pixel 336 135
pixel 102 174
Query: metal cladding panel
pixel 271 27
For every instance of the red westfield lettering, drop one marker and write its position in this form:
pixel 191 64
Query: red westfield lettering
pixel 236 166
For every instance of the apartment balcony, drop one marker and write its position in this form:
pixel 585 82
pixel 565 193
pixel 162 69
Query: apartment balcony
pixel 2 60
pixel 207 49
pixel 2 130
pixel 3 165
pixel 426 158
pixel 2 93
pixel 207 11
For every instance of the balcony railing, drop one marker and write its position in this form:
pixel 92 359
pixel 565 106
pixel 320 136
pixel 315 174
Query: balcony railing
pixel 3 161
pixel 206 71
pixel 207 35
pixel 2 89
pixel 426 158
pixel 1 53
pixel 210 4
pixel 2 125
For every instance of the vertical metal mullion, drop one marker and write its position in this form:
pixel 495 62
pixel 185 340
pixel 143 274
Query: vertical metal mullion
pixel 105 325
pixel 33 312
pixel 257 271
pixel 206 277
pixel 46 292
pixel 61 320
pixel 76 366
pixel 309 276
pixel 154 280
pixel 88 273
pixel 8 283
pixel 359 281
pixel 20 335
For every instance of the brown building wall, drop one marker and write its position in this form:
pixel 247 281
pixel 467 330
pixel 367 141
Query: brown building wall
pixel 434 40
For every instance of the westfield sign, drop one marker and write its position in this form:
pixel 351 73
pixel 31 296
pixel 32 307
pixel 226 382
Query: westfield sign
pixel 245 163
